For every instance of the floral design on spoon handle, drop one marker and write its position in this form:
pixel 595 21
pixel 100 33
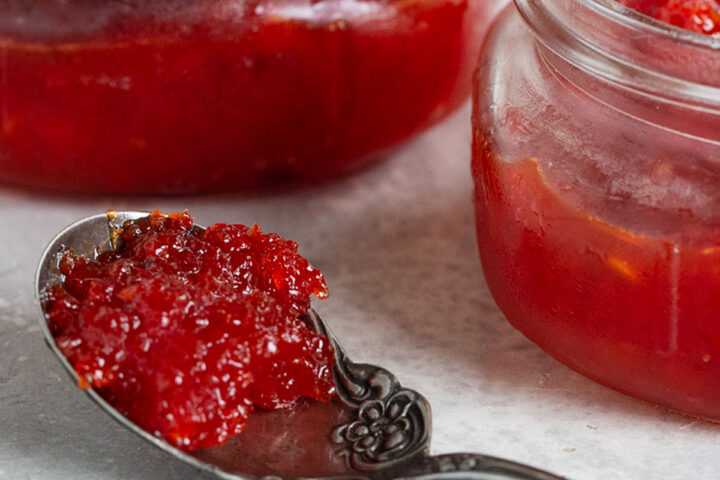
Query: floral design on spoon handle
pixel 392 423
pixel 390 436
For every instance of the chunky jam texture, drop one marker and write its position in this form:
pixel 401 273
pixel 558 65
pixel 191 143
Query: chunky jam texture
pixel 212 95
pixel 702 16
pixel 185 332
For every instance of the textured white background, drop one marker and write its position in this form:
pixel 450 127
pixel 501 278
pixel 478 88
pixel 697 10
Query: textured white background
pixel 397 244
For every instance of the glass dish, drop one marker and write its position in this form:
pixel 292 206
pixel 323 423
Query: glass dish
pixel 177 96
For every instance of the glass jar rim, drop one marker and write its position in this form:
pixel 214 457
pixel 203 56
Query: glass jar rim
pixel 629 49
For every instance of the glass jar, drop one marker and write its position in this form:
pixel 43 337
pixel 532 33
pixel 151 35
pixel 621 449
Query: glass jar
pixel 596 160
pixel 184 96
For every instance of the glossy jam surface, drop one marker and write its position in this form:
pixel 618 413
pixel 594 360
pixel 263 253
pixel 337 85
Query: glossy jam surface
pixel 702 16
pixel 186 332
pixel 215 95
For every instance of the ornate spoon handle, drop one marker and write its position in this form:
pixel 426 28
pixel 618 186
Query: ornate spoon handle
pixel 471 466
pixel 390 436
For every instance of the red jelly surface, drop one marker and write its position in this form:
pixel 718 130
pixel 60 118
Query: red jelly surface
pixel 186 332
pixel 222 94
pixel 636 309
pixel 701 16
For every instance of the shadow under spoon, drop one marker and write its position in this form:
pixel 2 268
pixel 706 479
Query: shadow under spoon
pixel 374 430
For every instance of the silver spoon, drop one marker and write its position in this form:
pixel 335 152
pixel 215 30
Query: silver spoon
pixel 374 430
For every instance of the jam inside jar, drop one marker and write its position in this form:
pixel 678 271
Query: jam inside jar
pixel 184 96
pixel 597 191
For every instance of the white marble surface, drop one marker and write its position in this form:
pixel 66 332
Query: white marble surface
pixel 397 244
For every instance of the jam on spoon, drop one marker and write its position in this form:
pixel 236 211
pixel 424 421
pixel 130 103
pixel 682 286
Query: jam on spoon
pixel 374 428
pixel 185 331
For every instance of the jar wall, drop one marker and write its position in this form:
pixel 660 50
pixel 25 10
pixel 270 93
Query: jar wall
pixel 214 99
pixel 598 230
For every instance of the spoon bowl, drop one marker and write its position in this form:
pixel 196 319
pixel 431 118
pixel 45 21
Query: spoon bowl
pixel 374 429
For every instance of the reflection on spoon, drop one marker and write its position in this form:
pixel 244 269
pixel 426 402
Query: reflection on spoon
pixel 375 429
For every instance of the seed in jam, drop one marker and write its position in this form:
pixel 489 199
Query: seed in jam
pixel 186 331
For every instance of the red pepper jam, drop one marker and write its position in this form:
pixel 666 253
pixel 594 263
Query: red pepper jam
pixel 185 331
pixel 622 289
pixel 212 95
pixel 702 16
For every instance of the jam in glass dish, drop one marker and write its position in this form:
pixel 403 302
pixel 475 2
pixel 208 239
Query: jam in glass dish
pixel 212 95
pixel 185 331
pixel 596 161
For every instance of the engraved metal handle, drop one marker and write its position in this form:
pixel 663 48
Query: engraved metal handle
pixel 390 436
pixel 472 466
